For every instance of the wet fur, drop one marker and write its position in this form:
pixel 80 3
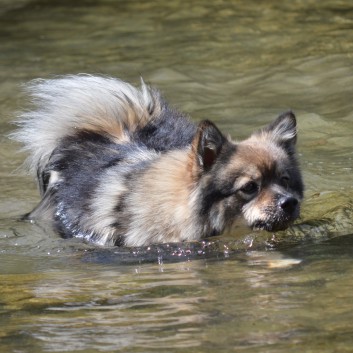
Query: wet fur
pixel 116 165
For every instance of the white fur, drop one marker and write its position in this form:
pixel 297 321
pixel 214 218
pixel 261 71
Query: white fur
pixel 285 130
pixel 71 103
pixel 252 212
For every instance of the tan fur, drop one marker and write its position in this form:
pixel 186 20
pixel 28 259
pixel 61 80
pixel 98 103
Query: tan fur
pixel 163 202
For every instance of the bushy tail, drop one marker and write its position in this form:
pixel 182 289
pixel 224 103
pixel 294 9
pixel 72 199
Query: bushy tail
pixel 66 105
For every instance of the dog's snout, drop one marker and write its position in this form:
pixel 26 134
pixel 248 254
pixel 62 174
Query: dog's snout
pixel 288 203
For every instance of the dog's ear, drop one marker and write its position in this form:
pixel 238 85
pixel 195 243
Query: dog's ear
pixel 207 145
pixel 284 130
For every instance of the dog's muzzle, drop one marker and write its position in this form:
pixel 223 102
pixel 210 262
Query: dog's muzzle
pixel 279 217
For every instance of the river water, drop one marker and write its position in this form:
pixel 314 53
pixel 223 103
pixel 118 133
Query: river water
pixel 239 63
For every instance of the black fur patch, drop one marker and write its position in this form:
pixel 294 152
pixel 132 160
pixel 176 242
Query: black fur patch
pixel 171 130
pixel 217 189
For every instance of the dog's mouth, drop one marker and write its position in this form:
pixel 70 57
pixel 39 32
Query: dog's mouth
pixel 275 224
pixel 271 227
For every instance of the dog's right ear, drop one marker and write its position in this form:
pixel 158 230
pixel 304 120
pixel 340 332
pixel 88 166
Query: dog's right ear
pixel 284 131
pixel 207 145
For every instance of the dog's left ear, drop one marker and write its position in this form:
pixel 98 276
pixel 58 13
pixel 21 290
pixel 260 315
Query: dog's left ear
pixel 207 145
pixel 284 130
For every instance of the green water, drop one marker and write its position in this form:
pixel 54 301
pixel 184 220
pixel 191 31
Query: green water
pixel 239 63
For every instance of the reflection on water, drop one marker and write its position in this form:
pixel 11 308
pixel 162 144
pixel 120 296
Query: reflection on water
pixel 239 63
pixel 256 300
pixel 86 308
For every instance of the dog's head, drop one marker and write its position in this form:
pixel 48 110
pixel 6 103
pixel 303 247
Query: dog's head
pixel 258 178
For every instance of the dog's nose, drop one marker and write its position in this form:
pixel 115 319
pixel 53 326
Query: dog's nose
pixel 288 203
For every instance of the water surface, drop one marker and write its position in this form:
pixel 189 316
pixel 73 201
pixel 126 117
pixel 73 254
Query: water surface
pixel 239 63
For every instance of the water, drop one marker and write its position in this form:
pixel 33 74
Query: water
pixel 239 63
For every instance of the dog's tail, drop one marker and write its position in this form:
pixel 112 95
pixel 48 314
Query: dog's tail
pixel 65 106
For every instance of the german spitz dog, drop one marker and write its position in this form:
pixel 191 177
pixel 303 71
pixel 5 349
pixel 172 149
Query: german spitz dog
pixel 116 165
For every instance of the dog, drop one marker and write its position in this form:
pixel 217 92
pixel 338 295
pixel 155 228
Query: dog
pixel 117 165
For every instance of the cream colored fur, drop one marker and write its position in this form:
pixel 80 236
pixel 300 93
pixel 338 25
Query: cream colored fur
pixel 82 102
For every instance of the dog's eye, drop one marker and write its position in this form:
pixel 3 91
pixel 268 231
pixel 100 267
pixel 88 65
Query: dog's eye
pixel 285 180
pixel 250 188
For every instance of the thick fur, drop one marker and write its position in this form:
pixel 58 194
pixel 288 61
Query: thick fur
pixel 117 166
